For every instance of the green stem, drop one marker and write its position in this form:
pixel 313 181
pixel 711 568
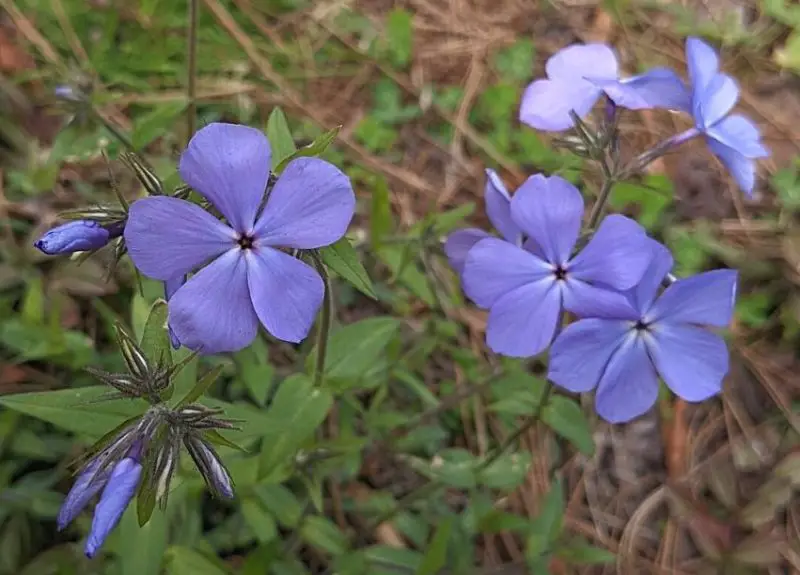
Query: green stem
pixel 324 323
pixel 191 85
pixel 602 198
pixel 115 131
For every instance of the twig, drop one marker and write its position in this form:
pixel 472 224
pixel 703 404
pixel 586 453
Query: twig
pixel 191 82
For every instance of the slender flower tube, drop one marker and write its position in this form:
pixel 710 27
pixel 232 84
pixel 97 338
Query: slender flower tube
pixel 76 236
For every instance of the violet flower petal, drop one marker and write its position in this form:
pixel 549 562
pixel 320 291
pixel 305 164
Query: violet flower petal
pixel 118 493
pixel 546 104
pixel 522 322
pixel 498 207
pixel 644 293
pixel 629 386
pixel 582 61
pixel 458 245
pixel 585 300
pixel 167 237
pixel 704 299
pixel 549 210
pixel 310 206
pixel 740 134
pixel 170 287
pixel 74 236
pixel 212 313
pixel 87 485
pixel 286 293
pixel 579 355
pixel 691 360
pixel 229 165
pixel 741 168
pixel 657 88
pixel 495 267
pixel 702 63
pixel 617 255
pixel 719 98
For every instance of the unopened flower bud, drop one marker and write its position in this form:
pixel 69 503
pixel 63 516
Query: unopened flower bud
pixel 76 236
pixel 210 466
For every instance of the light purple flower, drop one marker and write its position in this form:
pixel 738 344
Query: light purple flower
pixel 76 236
pixel 245 279
pixel 578 75
pixel 118 493
pixel 734 139
pixel 624 353
pixel 524 289
pixel 498 208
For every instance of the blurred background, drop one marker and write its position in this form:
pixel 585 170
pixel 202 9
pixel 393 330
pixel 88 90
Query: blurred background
pixel 426 93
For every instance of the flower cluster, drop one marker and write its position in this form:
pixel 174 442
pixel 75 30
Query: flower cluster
pixel 143 454
pixel 579 75
pixel 634 322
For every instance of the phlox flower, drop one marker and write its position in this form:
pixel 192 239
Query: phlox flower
pixel 118 483
pixel 578 75
pixel 243 278
pixel 525 287
pixel 624 353
pixel 498 208
pixel 733 138
pixel 77 236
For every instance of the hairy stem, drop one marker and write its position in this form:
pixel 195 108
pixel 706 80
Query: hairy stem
pixel 191 84
pixel 324 323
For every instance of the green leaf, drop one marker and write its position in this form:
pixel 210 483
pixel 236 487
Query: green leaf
pixel 185 561
pixel 342 258
pixel 404 268
pixel 155 338
pixel 255 370
pixel 651 198
pixel 155 124
pixel 141 548
pixel 582 553
pixel 33 312
pixel 454 467
pixel 294 414
pixel 546 527
pixel 353 349
pixel 564 416
pixel 261 523
pixel 507 472
pixel 76 410
pixel 146 496
pixel 315 148
pixel 399 37
pixel 436 555
pixel 515 63
pixel 323 534
pixel 280 137
pixel 380 221
pixel 201 386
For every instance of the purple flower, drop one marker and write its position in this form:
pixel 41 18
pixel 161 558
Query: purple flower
pixel 623 353
pixel 524 289
pixel 75 236
pixel 579 74
pixel 246 279
pixel 498 208
pixel 118 483
pixel 734 139
pixel 118 493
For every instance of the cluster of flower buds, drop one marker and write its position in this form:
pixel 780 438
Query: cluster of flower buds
pixel 140 457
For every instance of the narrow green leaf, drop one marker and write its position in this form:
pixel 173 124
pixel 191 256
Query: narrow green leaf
pixel 145 497
pixel 215 437
pixel 79 410
pixel 342 258
pixel 546 527
pixel 294 414
pixel 401 261
pixel 436 556
pixel 185 561
pixel 399 37
pixel 564 416
pixel 324 534
pixel 280 137
pixel 155 338
pixel 353 349
pixel 315 148
pixel 201 386
pixel 156 123
pixel 33 311
pixel 141 547
pixel 380 220
pixel 261 523
pixel 582 553
pixel 255 370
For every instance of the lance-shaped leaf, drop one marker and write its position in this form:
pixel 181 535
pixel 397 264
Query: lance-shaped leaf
pixel 315 148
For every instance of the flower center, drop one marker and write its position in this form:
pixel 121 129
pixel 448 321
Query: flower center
pixel 560 273
pixel 641 326
pixel 246 242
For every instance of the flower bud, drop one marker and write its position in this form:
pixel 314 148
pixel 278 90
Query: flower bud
pixel 76 236
pixel 210 466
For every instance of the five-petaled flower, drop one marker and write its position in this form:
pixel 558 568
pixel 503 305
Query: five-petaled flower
pixel 248 279
pixel 525 287
pixel 624 351
pixel 118 483
pixel 578 75
pixel 734 139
